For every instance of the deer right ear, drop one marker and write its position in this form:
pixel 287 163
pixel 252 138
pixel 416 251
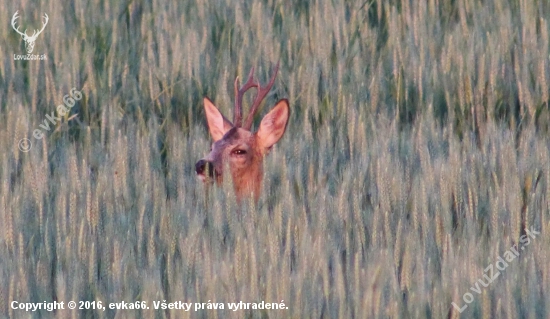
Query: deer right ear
pixel 218 125
pixel 273 125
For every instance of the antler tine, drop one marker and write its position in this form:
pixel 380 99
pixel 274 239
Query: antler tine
pixel 239 93
pixel 13 24
pixel 44 24
pixel 262 92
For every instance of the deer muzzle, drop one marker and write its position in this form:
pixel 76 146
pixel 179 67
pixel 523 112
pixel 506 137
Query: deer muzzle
pixel 204 168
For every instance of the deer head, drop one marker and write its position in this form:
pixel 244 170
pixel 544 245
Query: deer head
pixel 29 40
pixel 237 151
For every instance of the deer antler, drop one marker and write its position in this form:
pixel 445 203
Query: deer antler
pixel 43 26
pixel 260 95
pixel 15 27
pixel 25 35
pixel 239 93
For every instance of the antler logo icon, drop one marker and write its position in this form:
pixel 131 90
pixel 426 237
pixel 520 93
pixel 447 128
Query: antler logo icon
pixel 29 40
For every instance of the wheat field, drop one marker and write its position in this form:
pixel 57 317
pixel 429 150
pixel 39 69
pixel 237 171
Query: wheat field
pixel 417 154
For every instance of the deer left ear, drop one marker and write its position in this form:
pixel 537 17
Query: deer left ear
pixel 273 125
pixel 217 123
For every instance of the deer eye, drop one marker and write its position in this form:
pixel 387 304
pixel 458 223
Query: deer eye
pixel 239 152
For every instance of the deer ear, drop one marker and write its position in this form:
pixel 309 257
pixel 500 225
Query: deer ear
pixel 218 125
pixel 273 125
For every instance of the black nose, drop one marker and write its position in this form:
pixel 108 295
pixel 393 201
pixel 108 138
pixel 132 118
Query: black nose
pixel 199 167
pixel 204 165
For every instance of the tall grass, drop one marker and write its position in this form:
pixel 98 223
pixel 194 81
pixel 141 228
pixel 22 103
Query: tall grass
pixel 417 153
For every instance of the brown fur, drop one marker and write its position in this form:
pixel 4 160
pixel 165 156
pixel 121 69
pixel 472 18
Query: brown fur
pixel 246 169
pixel 235 147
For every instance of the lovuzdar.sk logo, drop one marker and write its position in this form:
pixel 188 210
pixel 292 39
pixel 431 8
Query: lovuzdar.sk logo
pixel 29 40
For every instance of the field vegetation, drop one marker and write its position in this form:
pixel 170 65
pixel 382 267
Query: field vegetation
pixel 416 154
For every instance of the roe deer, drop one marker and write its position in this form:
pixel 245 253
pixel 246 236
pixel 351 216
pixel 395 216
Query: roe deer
pixel 235 146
